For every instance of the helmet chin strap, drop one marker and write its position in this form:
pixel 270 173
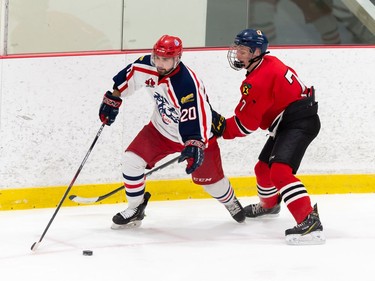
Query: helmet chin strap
pixel 258 58
pixel 238 64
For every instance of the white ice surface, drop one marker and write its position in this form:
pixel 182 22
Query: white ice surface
pixel 188 240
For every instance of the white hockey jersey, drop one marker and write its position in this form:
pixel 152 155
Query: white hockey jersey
pixel 182 110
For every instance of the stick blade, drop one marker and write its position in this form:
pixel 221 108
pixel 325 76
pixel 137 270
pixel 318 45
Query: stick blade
pixel 83 200
pixel 34 246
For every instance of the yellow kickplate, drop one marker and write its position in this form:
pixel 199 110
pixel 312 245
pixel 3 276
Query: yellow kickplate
pixel 49 197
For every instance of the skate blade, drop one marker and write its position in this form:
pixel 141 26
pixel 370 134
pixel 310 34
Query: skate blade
pixel 313 238
pixel 130 225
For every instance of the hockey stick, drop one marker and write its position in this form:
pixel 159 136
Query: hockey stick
pixel 36 244
pixel 90 200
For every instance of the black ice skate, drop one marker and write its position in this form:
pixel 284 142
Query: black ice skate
pixel 131 218
pixel 308 232
pixel 236 211
pixel 256 210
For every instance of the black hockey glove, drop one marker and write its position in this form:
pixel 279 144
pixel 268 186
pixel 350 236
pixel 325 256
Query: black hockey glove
pixel 109 108
pixel 193 154
pixel 218 124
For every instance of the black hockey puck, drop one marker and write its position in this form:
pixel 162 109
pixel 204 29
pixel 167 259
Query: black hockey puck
pixel 87 253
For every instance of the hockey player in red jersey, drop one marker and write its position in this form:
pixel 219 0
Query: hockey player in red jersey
pixel 181 122
pixel 274 98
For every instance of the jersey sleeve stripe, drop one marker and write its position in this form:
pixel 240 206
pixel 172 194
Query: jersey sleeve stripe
pixel 143 68
pixel 243 129
pixel 172 95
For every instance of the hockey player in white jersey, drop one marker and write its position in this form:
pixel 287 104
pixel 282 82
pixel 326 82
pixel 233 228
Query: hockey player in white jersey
pixel 181 122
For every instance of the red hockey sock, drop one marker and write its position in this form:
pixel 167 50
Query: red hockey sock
pixel 293 192
pixel 300 208
pixel 267 192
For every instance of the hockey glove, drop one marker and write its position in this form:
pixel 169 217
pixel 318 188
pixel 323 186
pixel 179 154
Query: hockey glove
pixel 109 108
pixel 218 124
pixel 193 154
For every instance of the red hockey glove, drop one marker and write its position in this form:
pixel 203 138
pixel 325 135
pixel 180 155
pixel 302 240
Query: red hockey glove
pixel 109 108
pixel 218 124
pixel 193 154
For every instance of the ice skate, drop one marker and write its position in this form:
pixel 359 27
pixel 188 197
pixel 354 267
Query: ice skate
pixel 308 232
pixel 236 211
pixel 256 210
pixel 131 218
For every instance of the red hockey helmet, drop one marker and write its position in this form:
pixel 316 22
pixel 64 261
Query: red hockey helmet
pixel 168 46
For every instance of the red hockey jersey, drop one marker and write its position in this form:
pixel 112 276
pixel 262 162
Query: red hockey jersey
pixel 265 93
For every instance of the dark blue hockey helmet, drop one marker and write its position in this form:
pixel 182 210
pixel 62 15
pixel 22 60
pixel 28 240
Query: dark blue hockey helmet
pixel 253 39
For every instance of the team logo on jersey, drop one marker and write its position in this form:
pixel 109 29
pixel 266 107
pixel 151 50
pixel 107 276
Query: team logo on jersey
pixel 150 83
pixel 167 112
pixel 188 98
pixel 245 88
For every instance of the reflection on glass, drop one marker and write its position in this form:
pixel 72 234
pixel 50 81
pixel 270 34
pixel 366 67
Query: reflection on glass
pixel 307 22
pixel 35 28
